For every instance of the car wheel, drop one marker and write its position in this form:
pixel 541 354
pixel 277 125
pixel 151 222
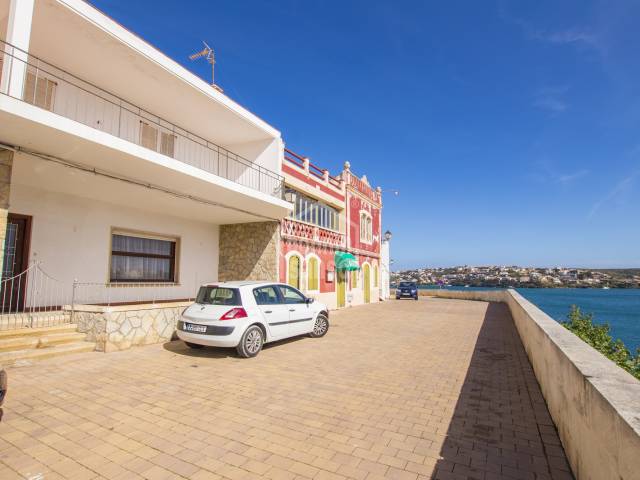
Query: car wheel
pixel 195 346
pixel 251 342
pixel 415 298
pixel 320 327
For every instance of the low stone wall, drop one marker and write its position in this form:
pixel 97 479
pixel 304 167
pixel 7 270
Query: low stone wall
pixel 594 403
pixel 122 327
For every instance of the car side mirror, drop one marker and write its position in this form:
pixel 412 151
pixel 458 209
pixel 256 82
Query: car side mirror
pixel 310 300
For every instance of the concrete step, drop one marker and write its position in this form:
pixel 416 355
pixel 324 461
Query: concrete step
pixel 39 341
pixel 60 338
pixel 33 319
pixel 24 332
pixel 18 357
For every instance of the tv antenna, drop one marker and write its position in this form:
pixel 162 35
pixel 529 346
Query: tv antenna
pixel 207 53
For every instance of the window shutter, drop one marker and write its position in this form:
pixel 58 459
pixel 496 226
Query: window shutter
pixel 148 136
pixel 29 88
pixel 39 91
pixel 313 274
pixel 167 144
pixel 316 275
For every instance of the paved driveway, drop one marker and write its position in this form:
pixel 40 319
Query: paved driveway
pixel 401 390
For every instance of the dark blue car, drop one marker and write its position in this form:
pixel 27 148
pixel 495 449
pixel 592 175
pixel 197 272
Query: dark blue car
pixel 407 290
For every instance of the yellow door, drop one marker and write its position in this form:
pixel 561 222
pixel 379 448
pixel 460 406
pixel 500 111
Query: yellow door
pixel 294 271
pixel 367 284
pixel 342 287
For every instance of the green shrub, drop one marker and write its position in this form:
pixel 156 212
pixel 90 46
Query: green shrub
pixel 597 335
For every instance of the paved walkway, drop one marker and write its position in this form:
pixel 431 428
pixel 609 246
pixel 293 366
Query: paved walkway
pixel 401 390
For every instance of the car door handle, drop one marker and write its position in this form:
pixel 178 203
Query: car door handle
pixel 292 309
pixel 268 311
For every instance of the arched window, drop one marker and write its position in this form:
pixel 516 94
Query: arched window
pixel 366 227
pixel 313 274
pixel 294 271
pixel 375 276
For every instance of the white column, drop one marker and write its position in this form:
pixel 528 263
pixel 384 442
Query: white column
pixel 385 266
pixel 18 35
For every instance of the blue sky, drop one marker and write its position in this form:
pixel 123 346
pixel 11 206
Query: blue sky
pixel 510 129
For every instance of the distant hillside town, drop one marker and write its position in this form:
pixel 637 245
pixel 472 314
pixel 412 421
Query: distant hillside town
pixel 514 276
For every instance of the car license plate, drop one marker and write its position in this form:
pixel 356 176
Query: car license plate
pixel 190 327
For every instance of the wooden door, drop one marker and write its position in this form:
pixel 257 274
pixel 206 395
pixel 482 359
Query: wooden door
pixel 16 261
pixel 294 271
pixel 341 278
pixel 367 284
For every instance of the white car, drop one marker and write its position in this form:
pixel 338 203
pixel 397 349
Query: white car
pixel 246 315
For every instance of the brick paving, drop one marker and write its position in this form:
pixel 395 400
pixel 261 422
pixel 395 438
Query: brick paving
pixel 403 390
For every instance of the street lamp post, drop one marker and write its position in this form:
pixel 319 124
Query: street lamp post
pixel 385 263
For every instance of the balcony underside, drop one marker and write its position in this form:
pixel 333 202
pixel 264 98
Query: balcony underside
pixel 217 199
pixel 78 38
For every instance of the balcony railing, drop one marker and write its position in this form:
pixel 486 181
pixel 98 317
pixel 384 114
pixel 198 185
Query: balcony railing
pixel 304 164
pixel 62 93
pixel 303 231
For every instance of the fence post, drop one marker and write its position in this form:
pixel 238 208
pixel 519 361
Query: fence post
pixel 73 298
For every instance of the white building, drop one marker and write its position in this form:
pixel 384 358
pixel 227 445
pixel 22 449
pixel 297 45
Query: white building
pixel 120 166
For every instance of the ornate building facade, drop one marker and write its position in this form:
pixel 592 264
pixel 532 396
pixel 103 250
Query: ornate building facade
pixel 333 217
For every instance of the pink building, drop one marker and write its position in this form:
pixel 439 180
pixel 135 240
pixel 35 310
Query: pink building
pixel 332 216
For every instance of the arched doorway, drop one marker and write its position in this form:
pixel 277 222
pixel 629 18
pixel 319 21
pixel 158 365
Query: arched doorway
pixel 294 271
pixel 367 283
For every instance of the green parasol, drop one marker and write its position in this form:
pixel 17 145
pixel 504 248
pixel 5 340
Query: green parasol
pixel 346 261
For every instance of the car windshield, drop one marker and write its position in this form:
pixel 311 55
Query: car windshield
pixel 212 295
pixel 407 285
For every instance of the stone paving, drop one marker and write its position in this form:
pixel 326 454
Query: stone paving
pixel 402 390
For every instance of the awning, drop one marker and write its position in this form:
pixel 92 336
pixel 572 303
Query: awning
pixel 346 261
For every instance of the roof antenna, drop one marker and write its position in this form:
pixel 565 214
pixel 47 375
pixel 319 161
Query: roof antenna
pixel 208 53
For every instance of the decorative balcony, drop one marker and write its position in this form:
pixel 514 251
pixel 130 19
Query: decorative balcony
pixel 295 230
pixel 48 87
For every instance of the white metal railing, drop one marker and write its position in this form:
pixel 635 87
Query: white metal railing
pixel 33 298
pixel 112 294
pixel 49 87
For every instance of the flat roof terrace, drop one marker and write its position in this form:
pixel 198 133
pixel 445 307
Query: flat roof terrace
pixel 437 388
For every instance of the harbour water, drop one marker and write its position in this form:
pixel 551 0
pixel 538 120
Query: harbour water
pixel 620 308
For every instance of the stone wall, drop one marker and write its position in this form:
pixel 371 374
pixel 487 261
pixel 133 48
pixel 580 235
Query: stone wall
pixel 594 403
pixel 122 327
pixel 249 251
pixel 6 165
